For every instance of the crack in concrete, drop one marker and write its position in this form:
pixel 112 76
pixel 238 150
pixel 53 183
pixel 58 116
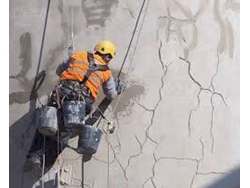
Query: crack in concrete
pixel 115 157
pixel 209 173
pixel 153 171
pixel 109 143
pixel 212 104
pixel 118 140
pixel 216 72
pixel 191 113
pixel 167 158
pixel 212 124
pixel 135 155
pixel 164 69
pixel 198 163
pixel 191 19
pixel 213 92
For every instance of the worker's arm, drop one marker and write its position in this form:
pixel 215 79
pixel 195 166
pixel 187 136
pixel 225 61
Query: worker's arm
pixel 109 88
pixel 63 66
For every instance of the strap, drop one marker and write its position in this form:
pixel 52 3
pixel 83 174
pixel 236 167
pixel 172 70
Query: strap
pixel 92 68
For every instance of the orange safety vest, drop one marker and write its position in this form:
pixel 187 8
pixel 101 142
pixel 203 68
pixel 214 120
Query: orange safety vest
pixel 78 68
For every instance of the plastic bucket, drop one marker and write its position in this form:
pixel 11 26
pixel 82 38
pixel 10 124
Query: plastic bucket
pixel 73 114
pixel 48 124
pixel 89 139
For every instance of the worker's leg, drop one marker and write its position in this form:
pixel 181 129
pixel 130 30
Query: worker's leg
pixel 53 146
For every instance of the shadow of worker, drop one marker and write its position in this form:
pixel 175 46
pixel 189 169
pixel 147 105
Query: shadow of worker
pixel 21 134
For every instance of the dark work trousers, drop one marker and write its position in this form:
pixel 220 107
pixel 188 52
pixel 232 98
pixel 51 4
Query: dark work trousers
pixel 52 147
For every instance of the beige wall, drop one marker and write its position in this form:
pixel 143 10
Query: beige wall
pixel 177 122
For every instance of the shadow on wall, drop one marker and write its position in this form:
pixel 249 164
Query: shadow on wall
pixel 23 130
pixel 230 180
pixel 21 134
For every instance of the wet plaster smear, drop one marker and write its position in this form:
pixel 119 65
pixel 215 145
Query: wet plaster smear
pixel 177 122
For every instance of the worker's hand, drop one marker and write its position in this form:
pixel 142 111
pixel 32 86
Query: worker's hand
pixel 119 86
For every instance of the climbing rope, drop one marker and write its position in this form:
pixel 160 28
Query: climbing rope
pixel 43 168
pixel 124 60
pixel 37 73
pixel 131 40
pixel 58 161
pixel 70 53
pixel 71 46
pixel 120 96
pixel 82 183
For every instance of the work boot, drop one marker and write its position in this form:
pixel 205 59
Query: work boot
pixel 32 163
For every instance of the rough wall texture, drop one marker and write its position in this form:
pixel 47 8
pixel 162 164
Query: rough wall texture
pixel 177 122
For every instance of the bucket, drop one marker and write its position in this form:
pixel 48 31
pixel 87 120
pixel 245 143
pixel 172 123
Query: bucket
pixel 73 114
pixel 48 124
pixel 89 139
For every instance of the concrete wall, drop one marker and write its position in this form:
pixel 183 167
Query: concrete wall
pixel 177 123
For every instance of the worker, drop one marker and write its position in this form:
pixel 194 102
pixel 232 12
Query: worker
pixel 80 77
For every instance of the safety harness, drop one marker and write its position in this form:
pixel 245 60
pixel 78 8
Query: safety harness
pixel 92 68
pixel 81 86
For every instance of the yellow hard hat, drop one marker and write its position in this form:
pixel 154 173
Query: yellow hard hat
pixel 106 47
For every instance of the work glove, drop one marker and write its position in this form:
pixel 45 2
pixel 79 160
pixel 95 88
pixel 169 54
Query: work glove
pixel 119 86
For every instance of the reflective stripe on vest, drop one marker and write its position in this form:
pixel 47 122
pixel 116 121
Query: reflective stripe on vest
pixel 98 74
pixel 81 72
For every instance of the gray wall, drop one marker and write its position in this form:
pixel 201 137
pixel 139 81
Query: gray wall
pixel 177 123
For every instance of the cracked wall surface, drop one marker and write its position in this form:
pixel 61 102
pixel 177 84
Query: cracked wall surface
pixel 178 121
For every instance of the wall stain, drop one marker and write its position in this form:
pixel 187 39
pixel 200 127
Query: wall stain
pixel 190 20
pixel 129 98
pixel 230 38
pixel 226 43
pixel 25 62
pixel 25 59
pixel 97 11
pixel 222 43
pixel 23 97
pixel 234 6
pixel 134 89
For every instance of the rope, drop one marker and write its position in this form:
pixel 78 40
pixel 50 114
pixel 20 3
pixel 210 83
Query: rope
pixel 120 96
pixel 108 163
pixel 131 40
pixel 44 30
pixel 82 172
pixel 58 164
pixel 71 47
pixel 37 73
pixel 43 169
pixel 70 53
